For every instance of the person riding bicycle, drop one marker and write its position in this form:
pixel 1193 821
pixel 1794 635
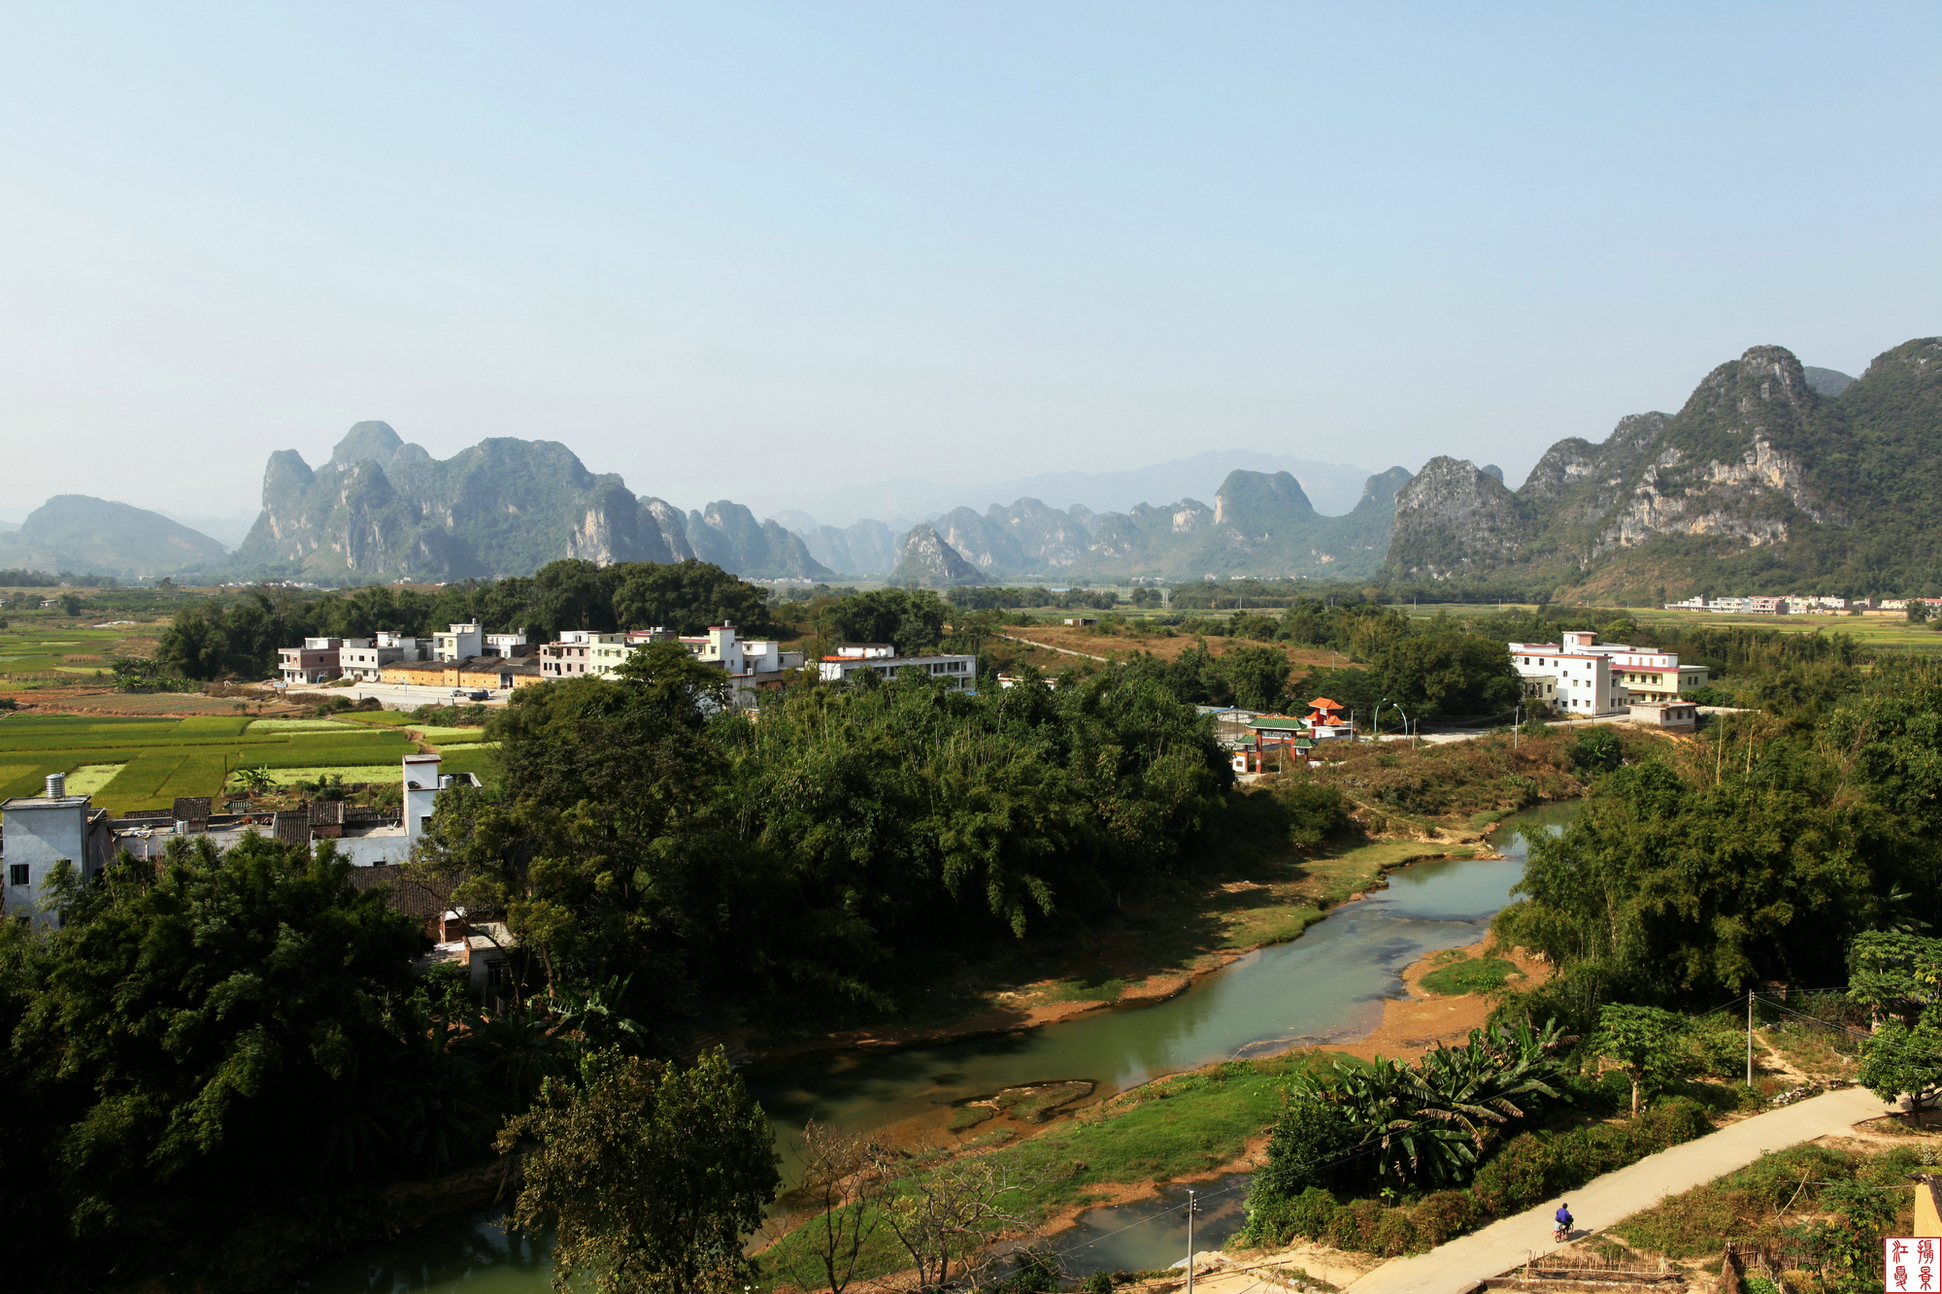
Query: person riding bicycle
pixel 1564 1219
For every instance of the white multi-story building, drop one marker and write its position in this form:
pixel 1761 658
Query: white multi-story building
pixel 506 645
pixel 365 658
pixel 961 672
pixel 459 642
pixel 571 655
pixel 1582 676
pixel 1574 679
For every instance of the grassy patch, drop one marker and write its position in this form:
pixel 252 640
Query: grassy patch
pixel 1471 975
pixel 1185 1126
pixel 90 779
pixel 481 761
pixel 970 1116
pixel 1083 988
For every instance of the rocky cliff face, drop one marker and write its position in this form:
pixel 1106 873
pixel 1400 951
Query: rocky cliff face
pixel 658 516
pixel 1026 536
pixel 1454 518
pixel 866 548
pixel 928 560
pixel 728 535
pixel 381 508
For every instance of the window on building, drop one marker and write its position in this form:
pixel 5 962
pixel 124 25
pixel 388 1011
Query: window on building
pixel 17 874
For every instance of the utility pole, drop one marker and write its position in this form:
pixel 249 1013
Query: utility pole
pixel 1192 1208
pixel 1749 1037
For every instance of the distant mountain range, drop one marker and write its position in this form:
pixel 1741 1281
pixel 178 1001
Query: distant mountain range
pixel 1332 489
pixel 1772 474
pixel 381 508
pixel 1259 524
pixel 84 535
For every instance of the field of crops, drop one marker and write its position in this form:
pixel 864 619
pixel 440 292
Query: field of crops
pixel 146 763
pixel 34 656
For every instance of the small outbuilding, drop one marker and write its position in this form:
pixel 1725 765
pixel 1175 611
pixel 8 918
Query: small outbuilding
pixel 1670 716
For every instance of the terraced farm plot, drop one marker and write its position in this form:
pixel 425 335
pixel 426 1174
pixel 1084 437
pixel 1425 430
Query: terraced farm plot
pixel 147 763
pixel 351 773
pixel 91 779
pixel 481 761
pixel 454 736
pixel 13 775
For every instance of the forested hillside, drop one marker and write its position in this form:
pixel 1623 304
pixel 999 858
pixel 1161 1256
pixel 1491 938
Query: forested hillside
pixel 1764 481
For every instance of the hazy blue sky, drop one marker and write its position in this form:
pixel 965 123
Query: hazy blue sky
pixel 753 251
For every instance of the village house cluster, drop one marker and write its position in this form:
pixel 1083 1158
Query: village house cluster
pixel 467 661
pixel 41 834
pixel 461 658
pixel 1793 604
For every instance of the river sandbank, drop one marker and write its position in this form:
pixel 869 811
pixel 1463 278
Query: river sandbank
pixel 1267 907
pixel 1194 1107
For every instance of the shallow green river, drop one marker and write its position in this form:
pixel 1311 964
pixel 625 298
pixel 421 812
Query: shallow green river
pixel 1327 985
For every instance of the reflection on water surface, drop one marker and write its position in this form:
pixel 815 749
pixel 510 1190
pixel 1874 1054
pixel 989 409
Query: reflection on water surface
pixel 1327 985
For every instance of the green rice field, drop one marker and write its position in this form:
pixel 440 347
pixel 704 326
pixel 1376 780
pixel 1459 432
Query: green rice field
pixel 351 774
pixel 129 764
pixel 450 736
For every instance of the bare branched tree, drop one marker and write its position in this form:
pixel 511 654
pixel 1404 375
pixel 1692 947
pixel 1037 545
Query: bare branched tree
pixel 947 1215
pixel 844 1173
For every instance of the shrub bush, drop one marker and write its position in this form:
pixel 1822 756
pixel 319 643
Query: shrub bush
pixel 1517 1176
pixel 1354 1225
pixel 1394 1233
pixel 1597 750
pixel 1315 811
pixel 1445 1215
pixel 1669 1124
pixel 1302 1149
pixel 1281 1219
